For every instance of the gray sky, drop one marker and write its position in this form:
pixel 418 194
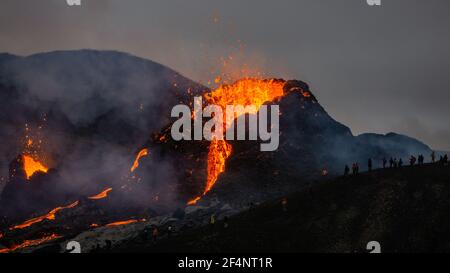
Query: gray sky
pixel 375 69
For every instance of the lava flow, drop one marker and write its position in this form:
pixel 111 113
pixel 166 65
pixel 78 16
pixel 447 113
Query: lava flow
pixel 246 92
pixel 101 195
pixel 49 216
pixel 142 153
pixel 32 166
pixel 121 223
pixel 29 243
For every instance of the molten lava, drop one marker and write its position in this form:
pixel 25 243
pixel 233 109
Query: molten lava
pixel 101 195
pixel 29 243
pixel 49 216
pixel 142 153
pixel 121 223
pixel 219 151
pixel 32 166
pixel 246 92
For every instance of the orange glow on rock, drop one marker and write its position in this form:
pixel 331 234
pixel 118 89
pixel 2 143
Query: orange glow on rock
pixel 29 243
pixel 32 166
pixel 121 223
pixel 49 216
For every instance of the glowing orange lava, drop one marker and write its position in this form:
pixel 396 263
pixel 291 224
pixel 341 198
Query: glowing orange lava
pixel 49 216
pixel 101 195
pixel 121 223
pixel 29 243
pixel 32 166
pixel 245 92
pixel 142 153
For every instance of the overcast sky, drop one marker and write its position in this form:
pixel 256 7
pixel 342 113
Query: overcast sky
pixel 375 69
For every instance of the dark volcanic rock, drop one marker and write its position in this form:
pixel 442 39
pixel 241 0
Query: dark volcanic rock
pixel 404 209
pixel 99 108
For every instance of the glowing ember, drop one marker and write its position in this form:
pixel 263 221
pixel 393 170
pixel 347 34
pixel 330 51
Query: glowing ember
pixel 94 225
pixel 49 216
pixel 101 195
pixel 121 223
pixel 29 243
pixel 142 153
pixel 306 94
pixel 246 92
pixel 32 166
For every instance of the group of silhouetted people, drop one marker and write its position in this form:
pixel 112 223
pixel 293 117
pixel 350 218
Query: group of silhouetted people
pixel 393 162
pixel 355 169
pixel 396 163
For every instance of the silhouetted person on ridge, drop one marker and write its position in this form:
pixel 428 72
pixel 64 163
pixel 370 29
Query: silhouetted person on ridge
pixel 395 163
pixel 433 157
pixel 369 164
pixel 445 159
pixel 384 163
pixel 391 162
pixel 346 170
pixel 422 159
pixel 412 160
pixel 400 163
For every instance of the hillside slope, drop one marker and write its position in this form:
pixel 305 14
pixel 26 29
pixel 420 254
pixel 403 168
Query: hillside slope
pixel 406 210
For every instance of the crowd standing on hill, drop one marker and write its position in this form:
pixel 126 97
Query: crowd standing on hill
pixel 397 163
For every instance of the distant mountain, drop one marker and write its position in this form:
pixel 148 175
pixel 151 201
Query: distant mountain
pixel 6 57
pixel 399 146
